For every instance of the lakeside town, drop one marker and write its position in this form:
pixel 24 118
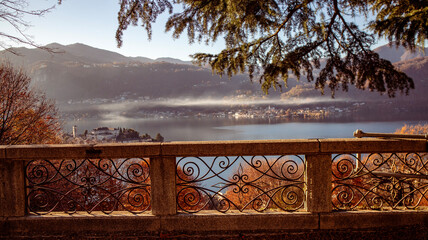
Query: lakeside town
pixel 162 108
pixel 156 110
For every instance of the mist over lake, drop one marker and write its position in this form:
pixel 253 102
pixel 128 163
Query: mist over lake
pixel 192 119
pixel 222 119
pixel 194 129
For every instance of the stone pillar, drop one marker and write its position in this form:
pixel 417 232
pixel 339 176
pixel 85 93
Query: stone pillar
pixel 12 188
pixel 318 178
pixel 163 189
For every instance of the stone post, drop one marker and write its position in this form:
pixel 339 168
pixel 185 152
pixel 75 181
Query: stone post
pixel 12 188
pixel 163 190
pixel 318 178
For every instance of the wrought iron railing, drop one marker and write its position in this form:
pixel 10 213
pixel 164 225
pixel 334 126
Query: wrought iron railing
pixel 318 175
pixel 259 183
pixel 382 181
pixel 88 185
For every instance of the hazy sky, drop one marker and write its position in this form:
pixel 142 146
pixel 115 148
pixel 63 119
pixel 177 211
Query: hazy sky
pixel 94 22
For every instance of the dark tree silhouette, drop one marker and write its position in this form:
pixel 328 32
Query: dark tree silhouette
pixel 275 38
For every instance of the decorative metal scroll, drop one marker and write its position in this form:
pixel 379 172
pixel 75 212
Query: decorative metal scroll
pixel 88 185
pixel 240 183
pixel 380 181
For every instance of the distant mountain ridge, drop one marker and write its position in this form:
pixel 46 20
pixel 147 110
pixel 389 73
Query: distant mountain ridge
pixel 80 71
pixel 79 52
pixel 397 54
pixel 76 52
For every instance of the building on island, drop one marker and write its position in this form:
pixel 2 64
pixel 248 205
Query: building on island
pixel 103 134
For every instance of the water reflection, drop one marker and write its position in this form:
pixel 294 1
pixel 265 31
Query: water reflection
pixel 197 129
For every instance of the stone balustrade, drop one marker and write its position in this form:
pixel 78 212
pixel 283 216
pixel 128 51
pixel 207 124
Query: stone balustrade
pixel 239 187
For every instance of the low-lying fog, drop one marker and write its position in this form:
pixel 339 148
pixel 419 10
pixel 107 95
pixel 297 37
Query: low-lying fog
pixel 174 114
pixel 179 119
pixel 136 105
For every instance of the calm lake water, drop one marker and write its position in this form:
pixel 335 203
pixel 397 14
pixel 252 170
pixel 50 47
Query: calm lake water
pixel 192 129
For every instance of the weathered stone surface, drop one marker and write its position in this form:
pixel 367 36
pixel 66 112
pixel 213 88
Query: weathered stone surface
pixel 62 151
pixel 240 148
pixel 318 222
pixel 214 148
pixel 239 222
pixel 12 188
pixel 163 187
pixel 343 225
pixel 373 219
pixel 371 145
pixel 318 180
pixel 128 150
pixel 79 225
pixel 59 151
pixel 2 152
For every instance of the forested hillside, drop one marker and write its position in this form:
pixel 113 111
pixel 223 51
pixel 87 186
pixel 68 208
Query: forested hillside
pixel 79 71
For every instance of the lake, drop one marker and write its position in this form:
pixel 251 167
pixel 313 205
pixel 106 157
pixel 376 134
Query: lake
pixel 196 129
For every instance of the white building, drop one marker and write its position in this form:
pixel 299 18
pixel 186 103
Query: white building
pixel 103 134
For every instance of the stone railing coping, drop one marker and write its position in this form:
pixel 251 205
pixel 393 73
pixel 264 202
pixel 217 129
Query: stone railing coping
pixel 213 148
pixel 318 215
pixel 372 145
pixel 59 224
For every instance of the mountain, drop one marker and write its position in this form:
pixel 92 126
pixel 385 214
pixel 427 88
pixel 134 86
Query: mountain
pixel 79 71
pixel 77 81
pixel 414 64
pixel 416 68
pixel 172 60
pixel 142 59
pixel 90 54
pixel 75 53
pixel 397 54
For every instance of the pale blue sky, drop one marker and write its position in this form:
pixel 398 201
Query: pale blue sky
pixel 94 22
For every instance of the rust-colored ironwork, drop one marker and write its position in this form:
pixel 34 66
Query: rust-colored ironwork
pixel 88 185
pixel 259 183
pixel 382 181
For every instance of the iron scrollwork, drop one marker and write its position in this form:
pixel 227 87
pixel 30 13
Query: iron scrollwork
pixel 240 183
pixel 380 181
pixel 88 185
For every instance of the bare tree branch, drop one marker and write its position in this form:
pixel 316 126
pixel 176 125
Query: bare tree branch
pixel 13 13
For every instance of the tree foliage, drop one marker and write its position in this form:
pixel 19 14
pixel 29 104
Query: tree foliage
pixel 159 138
pixel 403 22
pixel 276 38
pixel 413 129
pixel 26 117
pixel 127 134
